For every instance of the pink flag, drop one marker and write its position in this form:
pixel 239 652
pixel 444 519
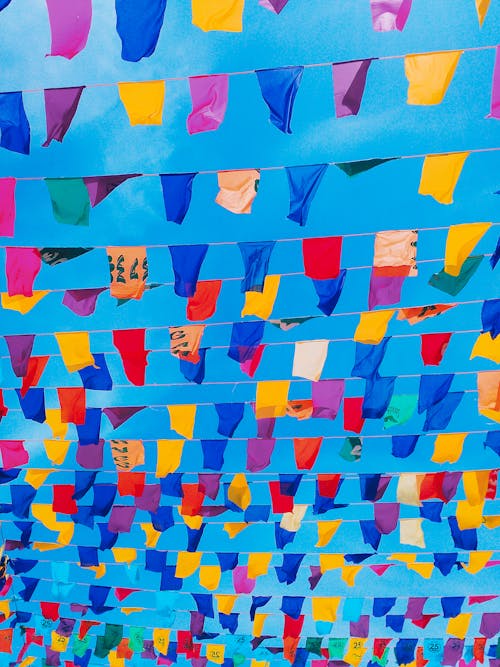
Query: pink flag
pixel 209 101
pixel 13 454
pixel 495 89
pixel 69 26
pixel 21 267
pixel 7 206
pixel 390 14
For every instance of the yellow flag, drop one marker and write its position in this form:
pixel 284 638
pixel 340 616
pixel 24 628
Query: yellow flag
pixel 46 546
pixel 233 529
pixel 461 240
pixel 59 643
pixel 225 603
pixel 469 516
pixel 330 562
pixel 488 389
pixel 292 521
pixel 475 485
pixel 261 304
pixel 53 420
pixel 187 563
pixel 152 535
pixel 161 637
pixel 350 572
pixel 36 477
pixel 258 564
pixel 210 577
pixel 22 304
pixel 440 174
pixel 259 663
pixel 75 350
pixel 271 398
pixel 193 522
pixel 429 75
pixel 114 660
pixel 425 570
pixel 408 490
pixel 458 626
pixel 124 554
pixel 410 532
pixel 56 450
pixel 239 491
pixel 225 15
pixel 477 561
pixel 5 608
pixel 325 609
pixel 404 558
pixel 66 530
pixel 143 101
pixel 326 530
pixel 182 419
pixel 169 456
pixel 99 570
pixel 482 7
pixel 131 610
pixel 28 661
pixel 448 447
pixel 372 326
pixel 492 522
pixel 487 347
pixel 215 653
pixel 258 624
pixel 355 651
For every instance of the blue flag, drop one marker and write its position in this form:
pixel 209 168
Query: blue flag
pixel 22 495
pixel 88 556
pixel 303 183
pixel 255 256
pixel 452 606
pixel 97 376
pixel 177 190
pixel 169 582
pixel 104 497
pixel 395 622
pixel 287 571
pixel 257 602
pixel 245 339
pixel 32 404
pixel 439 416
pixel 368 359
pixel 329 292
pixel 381 606
pixel 432 511
pixel 403 445
pixel 445 562
pixel 14 126
pixel 493 441
pixel 291 606
pixel 213 453
pixel 227 561
pixel 229 622
pixel 282 536
pixel 97 598
pixel 29 584
pixel 83 482
pixel 462 539
pixel 433 388
pixel 138 23
pixel 279 87
pixel 194 372
pixel 496 254
pixel 4 4
pixel 404 651
pixel 370 532
pixel 163 518
pixel 230 415
pixel 186 262
pixel 88 433
pixel 377 397
pixel 156 561
pixel 490 317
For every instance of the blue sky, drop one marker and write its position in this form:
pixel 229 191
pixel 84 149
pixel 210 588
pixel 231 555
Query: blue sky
pixel 100 141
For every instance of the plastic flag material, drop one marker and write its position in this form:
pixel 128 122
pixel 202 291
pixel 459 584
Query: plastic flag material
pixel 390 14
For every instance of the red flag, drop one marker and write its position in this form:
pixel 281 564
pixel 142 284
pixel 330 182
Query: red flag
pixel 123 651
pixel 85 627
pixel 492 485
pixel 479 646
pixel 379 646
pixel 353 414
pixel 192 500
pixel 306 452
pixel 6 640
pixel 130 344
pixel 36 366
pixel 420 660
pixel 322 257
pixel 433 346
pixel 328 485
pixel 3 409
pixel 62 499
pixel 72 402
pixel 432 486
pixel 293 626
pixel 424 621
pixel 50 610
pixel 203 303
pixel 122 593
pixel 131 483
pixel 280 502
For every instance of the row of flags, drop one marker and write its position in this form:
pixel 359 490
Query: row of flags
pixel 428 74
pixel 139 22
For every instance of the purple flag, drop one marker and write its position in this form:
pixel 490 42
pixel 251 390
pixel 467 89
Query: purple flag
pixel 150 498
pixel 196 625
pixel 90 456
pixel 121 519
pixel 316 575
pixel 384 290
pixel 119 415
pixel 360 628
pixel 209 101
pixel 82 301
pixel 415 608
pixel 275 6
pixel 383 483
pixel 60 107
pixel 99 187
pixel 490 625
pixel 495 88
pixel 386 517
pixel 390 14
pixel 450 483
pixel 209 483
pixel 20 348
pixel 349 81
pixel 52 658
pixel 259 452
pixel 452 651
pixel 326 397
pixel 265 427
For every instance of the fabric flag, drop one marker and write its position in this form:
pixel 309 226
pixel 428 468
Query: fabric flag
pixel 440 414
pixel 429 75
pixel 322 257
pixel 275 6
pixel 487 348
pixel 182 419
pixel 237 189
pixel 309 359
pixel 22 265
pixel 395 253
pixel 271 398
pixel 143 101
pixel 261 304
pixel 372 326
pixel 390 14
pixel 70 200
pixel 306 452
pixel 329 292
pixel 186 263
pixel 490 317
pixel 303 183
pixel 488 388
pixel 255 256
pixel 433 346
pixel 209 96
pixel 378 394
pixel 454 285
pixel 128 268
pixel 230 415
pixel 75 350
pixel 410 532
pixel 203 303
pixel 36 366
pixel 69 26
pixel 461 241
pixel 349 80
pixel 177 190
pixel 495 88
pixel 130 344
pixel 327 397
pixel 14 454
pixel 7 205
pixel 224 15
pixel 279 87
pixel 432 389
pixel 384 290
pixel 368 359
pixel 185 342
pixel 245 339
pixel 61 105
pixel 14 125
pixel 482 7
pixel 99 187
pixel 440 174
pixel 138 23
pixel 82 302
pixel 448 447
pixel 259 452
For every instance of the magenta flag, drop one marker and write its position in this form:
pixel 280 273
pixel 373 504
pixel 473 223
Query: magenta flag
pixel 82 301
pixel 13 454
pixel 99 187
pixel 69 26
pixel 241 581
pixel 60 107
pixel 275 6
pixel 349 81
pixel 209 96
pixel 21 266
pixel 390 14
pixel 7 206
pixel 495 89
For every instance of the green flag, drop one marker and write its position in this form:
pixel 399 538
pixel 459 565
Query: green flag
pixel 70 200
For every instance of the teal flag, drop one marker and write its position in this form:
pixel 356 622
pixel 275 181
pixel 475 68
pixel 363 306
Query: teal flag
pixel 70 200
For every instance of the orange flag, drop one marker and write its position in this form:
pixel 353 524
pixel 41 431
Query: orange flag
pixel 128 268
